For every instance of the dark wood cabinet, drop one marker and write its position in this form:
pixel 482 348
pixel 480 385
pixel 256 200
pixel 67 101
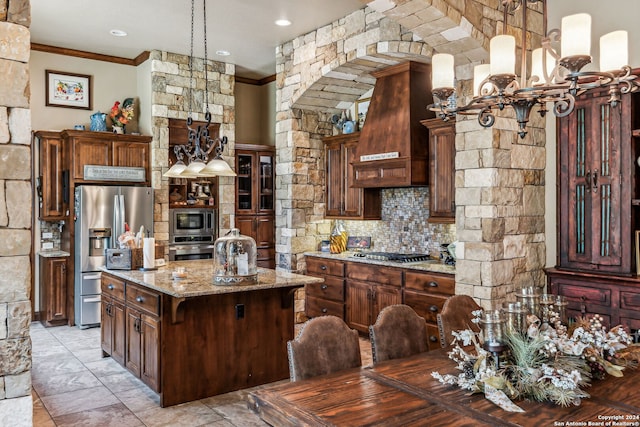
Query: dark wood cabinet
pixel 598 202
pixel 203 189
pixel 255 198
pixel 112 319
pixel 53 177
pixel 342 199
pixel 53 290
pixel 442 170
pixel 107 149
pixel 369 289
pixel 325 298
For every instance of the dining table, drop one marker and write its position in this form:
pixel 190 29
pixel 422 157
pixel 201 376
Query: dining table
pixel 402 392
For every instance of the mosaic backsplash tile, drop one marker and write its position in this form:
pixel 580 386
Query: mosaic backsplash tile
pixel 404 227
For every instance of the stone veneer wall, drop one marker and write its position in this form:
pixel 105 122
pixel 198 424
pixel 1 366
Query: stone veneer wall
pixel 170 99
pixel 15 215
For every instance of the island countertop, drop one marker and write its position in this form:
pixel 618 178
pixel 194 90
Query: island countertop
pixel 199 280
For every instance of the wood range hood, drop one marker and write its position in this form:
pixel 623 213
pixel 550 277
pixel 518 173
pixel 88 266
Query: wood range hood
pixel 393 150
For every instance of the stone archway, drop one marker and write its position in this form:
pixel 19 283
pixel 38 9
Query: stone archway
pixel 499 178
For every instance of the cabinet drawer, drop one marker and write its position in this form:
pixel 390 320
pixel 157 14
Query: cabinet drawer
pixel 429 283
pixel 433 337
pixel 585 294
pixel 629 300
pixel 321 267
pixel 427 306
pixel 321 307
pixel 143 299
pixel 374 274
pixel 112 287
pixel 332 288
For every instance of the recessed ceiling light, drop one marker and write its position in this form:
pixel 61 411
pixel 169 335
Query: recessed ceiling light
pixel 118 33
pixel 223 52
pixel 283 22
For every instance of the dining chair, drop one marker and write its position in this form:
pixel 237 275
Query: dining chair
pixel 398 332
pixel 324 344
pixel 456 315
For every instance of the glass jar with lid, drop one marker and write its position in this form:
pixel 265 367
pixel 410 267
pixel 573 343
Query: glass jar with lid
pixel 235 260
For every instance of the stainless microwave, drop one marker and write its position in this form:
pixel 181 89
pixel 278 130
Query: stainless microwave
pixel 192 225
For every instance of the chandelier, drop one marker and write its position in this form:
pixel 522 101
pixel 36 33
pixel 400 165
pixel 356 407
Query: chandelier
pixel 200 144
pixel 555 77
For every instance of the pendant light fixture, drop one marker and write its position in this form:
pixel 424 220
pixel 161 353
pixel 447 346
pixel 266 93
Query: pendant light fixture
pixel 200 144
pixel 556 77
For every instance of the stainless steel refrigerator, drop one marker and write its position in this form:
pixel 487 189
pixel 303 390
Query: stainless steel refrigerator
pixel 101 212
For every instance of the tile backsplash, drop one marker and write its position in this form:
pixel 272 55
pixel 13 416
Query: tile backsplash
pixel 49 235
pixel 403 226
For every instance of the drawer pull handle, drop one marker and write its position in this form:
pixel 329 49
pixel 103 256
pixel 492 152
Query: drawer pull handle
pixel 324 310
pixel 323 287
pixel 433 309
pixel 433 338
pixel 323 267
pixel 111 287
pixel 433 284
pixel 139 299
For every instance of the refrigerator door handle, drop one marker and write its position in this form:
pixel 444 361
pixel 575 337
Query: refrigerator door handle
pixel 123 213
pixel 118 226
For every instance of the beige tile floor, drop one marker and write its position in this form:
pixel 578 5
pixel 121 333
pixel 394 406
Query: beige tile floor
pixel 73 385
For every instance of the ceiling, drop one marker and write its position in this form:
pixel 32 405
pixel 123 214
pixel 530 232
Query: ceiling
pixel 245 28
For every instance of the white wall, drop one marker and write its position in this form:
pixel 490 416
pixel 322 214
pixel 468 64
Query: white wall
pixel 110 83
pixel 614 15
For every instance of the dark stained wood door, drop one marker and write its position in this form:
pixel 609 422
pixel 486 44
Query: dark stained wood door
pixel 133 359
pixel 90 152
pixel 358 305
pixel 53 290
pixel 442 171
pixel 150 351
pixel 131 154
pixel 54 179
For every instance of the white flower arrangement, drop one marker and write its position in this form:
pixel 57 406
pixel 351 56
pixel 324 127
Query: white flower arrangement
pixel 547 363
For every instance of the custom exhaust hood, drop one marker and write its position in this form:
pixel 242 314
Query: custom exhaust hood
pixel 393 147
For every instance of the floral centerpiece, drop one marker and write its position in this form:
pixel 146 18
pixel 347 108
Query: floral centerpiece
pixel 121 116
pixel 542 363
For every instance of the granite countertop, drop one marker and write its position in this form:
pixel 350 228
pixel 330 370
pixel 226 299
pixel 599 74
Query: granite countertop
pixel 434 266
pixel 199 280
pixel 54 253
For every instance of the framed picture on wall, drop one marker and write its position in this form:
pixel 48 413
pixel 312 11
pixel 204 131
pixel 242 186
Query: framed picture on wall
pixel 67 90
pixel 362 106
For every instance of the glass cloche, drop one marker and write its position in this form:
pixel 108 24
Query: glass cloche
pixel 234 260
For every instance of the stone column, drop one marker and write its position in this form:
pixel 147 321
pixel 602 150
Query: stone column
pixel 15 215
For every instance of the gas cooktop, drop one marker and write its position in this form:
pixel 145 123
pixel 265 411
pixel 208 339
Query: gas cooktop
pixel 391 256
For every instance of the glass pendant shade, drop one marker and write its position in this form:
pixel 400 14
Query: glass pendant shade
pixel 442 70
pixel 480 73
pixel 576 35
pixel 217 167
pixel 502 53
pixel 614 52
pixel 176 170
pixel 537 66
pixel 193 170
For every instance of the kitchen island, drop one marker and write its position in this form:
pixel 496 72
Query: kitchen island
pixel 188 339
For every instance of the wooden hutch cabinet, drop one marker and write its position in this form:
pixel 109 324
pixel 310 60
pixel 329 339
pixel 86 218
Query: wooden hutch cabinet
pixel 342 200
pixel 599 209
pixel 442 170
pixel 53 177
pixel 53 290
pixel 255 215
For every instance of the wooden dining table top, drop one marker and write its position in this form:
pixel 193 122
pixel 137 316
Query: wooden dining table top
pixel 402 392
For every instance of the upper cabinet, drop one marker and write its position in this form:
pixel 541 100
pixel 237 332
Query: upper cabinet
pixel 202 191
pixel 53 176
pixel 595 222
pixel 342 199
pixel 442 170
pixel 392 151
pixel 108 149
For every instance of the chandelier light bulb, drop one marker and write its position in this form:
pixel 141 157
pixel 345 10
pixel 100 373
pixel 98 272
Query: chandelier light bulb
pixel 442 70
pixel 576 35
pixel 480 73
pixel 614 51
pixel 502 53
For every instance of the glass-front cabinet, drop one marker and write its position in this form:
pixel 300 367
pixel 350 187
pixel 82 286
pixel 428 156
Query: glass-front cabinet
pixel 255 198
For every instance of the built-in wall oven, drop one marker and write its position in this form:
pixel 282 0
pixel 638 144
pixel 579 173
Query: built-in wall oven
pixel 192 233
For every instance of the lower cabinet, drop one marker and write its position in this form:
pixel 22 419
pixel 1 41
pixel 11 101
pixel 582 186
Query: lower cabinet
pixel 325 298
pixel 131 328
pixel 53 291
